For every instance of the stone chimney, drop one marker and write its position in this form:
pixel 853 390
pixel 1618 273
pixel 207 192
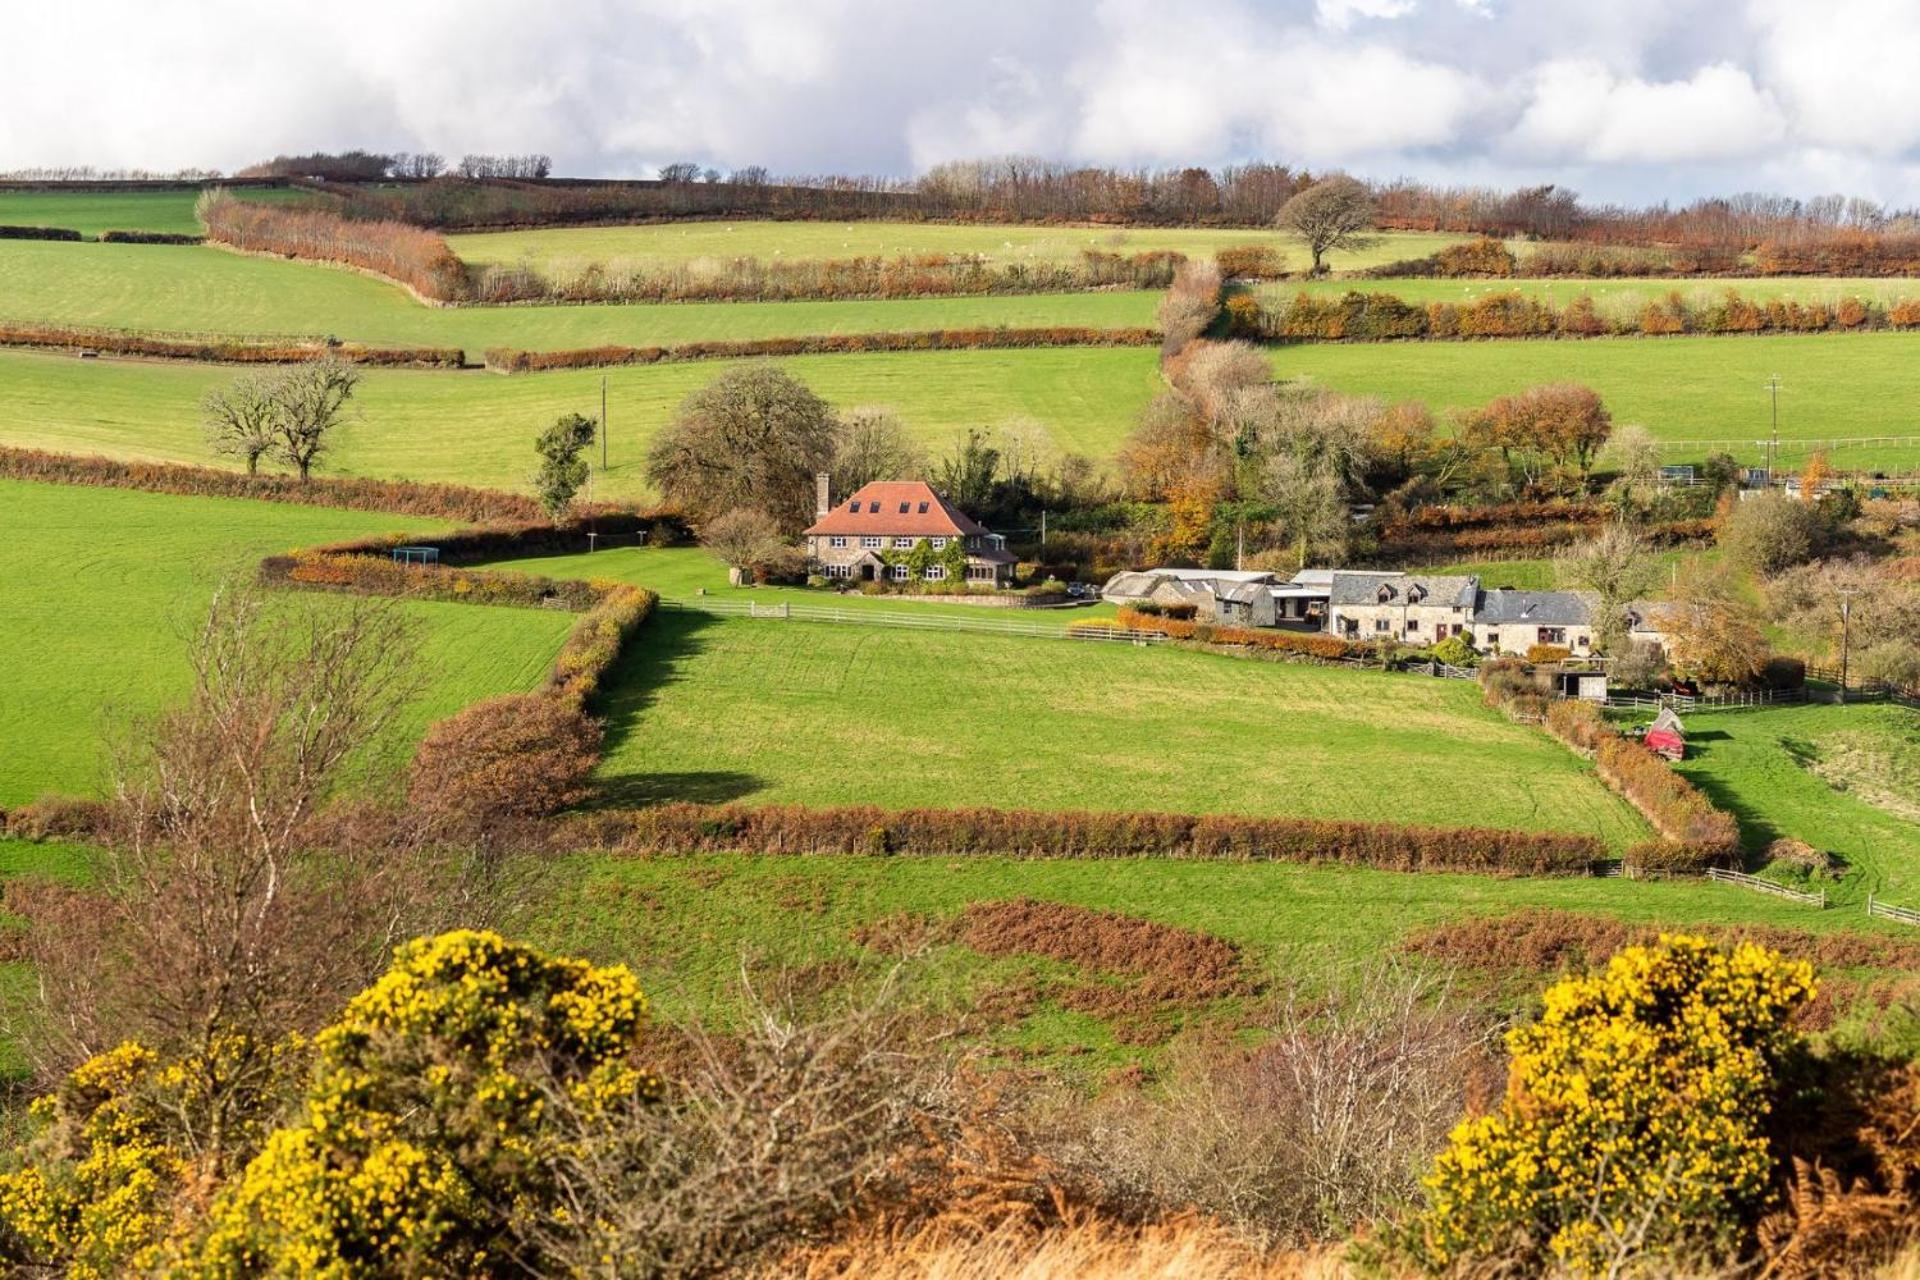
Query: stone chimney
pixel 822 494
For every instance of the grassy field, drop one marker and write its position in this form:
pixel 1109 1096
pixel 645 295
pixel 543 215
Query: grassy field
pixel 661 244
pixel 687 924
pixel 684 573
pixel 1681 389
pixel 209 290
pixel 100 583
pixel 1755 764
pixel 1619 297
pixel 479 428
pixel 762 711
pixel 91 212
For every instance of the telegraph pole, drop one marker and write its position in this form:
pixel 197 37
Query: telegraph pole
pixel 1846 638
pixel 1773 440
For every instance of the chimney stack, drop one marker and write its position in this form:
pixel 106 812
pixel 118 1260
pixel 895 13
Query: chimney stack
pixel 822 493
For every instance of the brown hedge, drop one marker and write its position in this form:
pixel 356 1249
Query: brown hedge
pixel 1310 643
pixel 1018 833
pixel 516 360
pixel 1695 834
pixel 419 259
pixel 224 350
pixel 403 497
pixel 779 280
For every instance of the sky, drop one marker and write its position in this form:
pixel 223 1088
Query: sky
pixel 1633 101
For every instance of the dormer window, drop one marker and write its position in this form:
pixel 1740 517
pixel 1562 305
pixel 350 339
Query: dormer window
pixel 873 508
pixel 1416 593
pixel 904 506
pixel 1386 593
pixel 853 508
pixel 923 508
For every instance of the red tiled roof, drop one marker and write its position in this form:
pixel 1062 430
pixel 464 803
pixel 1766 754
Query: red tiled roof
pixel 897 509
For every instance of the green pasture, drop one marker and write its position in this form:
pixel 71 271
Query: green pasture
pixel 204 289
pixel 1754 764
pixel 713 242
pixel 101 586
pixel 1684 390
pixel 91 212
pixel 766 711
pixel 1611 298
pixel 692 573
pixel 478 428
pixel 688 923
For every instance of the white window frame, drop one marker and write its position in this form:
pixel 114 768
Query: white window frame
pixel 939 544
pixel 936 573
pixel 980 572
pixel 839 570
pixel 904 544
pixel 872 543
pixel 900 573
pixel 837 540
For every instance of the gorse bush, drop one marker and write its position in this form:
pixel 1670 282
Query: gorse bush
pixel 419 1137
pixel 1635 1117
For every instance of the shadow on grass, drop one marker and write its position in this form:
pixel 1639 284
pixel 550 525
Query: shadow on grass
pixel 637 790
pixel 1756 832
pixel 657 655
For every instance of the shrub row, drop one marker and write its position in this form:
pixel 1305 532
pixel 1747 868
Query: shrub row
pixel 1308 643
pixel 418 259
pixel 1519 540
pixel 510 539
pixel 595 642
pixel 1501 513
pixel 793 829
pixel 224 350
pixel 515 360
pixel 38 233
pixel 370 576
pixel 758 280
pixel 404 497
pixel 1378 317
pixel 149 237
pixel 1696 835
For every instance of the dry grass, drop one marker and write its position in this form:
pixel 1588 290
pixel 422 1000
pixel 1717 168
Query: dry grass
pixel 1090 1249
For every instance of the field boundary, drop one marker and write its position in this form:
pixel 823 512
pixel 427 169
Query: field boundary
pixel 1883 911
pixel 906 620
pixel 217 349
pixel 1720 875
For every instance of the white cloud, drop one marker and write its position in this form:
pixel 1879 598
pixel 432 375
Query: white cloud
pixel 1578 110
pixel 1633 99
pixel 1338 15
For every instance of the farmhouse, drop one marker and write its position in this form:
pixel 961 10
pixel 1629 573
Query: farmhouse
pixel 869 537
pixel 1417 608
pixel 1509 621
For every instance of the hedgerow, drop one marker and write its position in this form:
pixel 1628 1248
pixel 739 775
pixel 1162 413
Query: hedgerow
pixel 516 360
pixel 418 259
pixel 757 280
pixel 1384 317
pixel 149 237
pixel 1695 834
pixel 404 497
pixel 39 233
pixel 223 350
pixel 1019 833
pixel 1309 643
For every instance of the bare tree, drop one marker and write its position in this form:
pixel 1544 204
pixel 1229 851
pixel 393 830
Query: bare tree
pixel 874 445
pixel 745 540
pixel 311 404
pixel 1335 213
pixel 1313 515
pixel 680 171
pixel 231 904
pixel 242 419
pixel 765 1135
pixel 1616 565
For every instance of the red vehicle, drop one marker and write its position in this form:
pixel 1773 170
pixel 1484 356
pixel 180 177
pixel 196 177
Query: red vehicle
pixel 1666 736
